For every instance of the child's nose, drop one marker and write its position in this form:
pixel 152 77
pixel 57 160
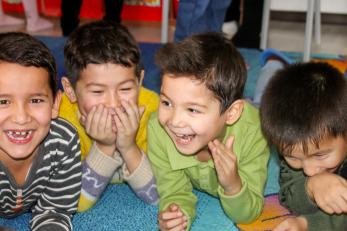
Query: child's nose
pixel 113 101
pixel 21 114
pixel 177 119
pixel 311 170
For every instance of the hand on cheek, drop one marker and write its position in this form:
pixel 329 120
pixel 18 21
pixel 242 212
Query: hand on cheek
pixel 98 125
pixel 127 121
pixel 225 162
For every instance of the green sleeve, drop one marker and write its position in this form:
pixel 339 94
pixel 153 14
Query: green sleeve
pixel 293 193
pixel 173 185
pixel 253 155
pixel 293 196
pixel 323 221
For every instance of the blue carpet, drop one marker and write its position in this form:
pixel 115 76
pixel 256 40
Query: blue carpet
pixel 119 208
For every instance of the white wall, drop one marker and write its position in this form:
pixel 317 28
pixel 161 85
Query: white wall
pixel 327 6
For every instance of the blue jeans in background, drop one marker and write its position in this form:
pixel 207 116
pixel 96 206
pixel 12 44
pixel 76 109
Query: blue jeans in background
pixel 198 16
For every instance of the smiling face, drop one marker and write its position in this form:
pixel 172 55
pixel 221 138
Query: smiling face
pixel 106 84
pixel 26 109
pixel 328 157
pixel 189 113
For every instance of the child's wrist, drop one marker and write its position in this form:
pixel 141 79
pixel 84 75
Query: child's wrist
pixel 234 189
pixel 128 150
pixel 308 188
pixel 106 148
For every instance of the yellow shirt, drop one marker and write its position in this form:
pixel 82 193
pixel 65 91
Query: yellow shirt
pixel 147 98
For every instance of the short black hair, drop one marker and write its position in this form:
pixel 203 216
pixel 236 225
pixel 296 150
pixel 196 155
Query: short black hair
pixel 25 50
pixel 303 104
pixel 100 42
pixel 209 58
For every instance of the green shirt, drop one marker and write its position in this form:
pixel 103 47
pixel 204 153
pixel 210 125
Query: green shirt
pixel 293 195
pixel 177 174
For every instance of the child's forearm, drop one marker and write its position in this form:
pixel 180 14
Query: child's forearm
pixel 142 181
pixel 98 168
pixel 293 194
pixel 132 157
pixel 106 149
pixel 322 221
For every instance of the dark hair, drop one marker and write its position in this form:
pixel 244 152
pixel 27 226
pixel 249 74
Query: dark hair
pixel 209 58
pixel 100 42
pixel 25 50
pixel 303 104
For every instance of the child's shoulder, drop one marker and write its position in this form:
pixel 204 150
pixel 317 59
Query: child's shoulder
pixel 62 128
pixel 249 121
pixel 250 114
pixel 148 98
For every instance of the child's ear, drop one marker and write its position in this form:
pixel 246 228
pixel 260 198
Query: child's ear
pixel 68 89
pixel 142 75
pixel 234 112
pixel 56 105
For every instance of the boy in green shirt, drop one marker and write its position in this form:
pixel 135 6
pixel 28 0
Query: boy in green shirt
pixel 303 113
pixel 204 134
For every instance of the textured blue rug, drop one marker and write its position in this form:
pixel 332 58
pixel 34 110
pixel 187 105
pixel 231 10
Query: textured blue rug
pixel 119 208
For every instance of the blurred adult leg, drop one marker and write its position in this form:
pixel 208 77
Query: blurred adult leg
pixel 113 10
pixel 198 16
pixel 70 10
pixel 33 19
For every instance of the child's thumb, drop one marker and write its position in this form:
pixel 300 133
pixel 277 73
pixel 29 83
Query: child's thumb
pixel 142 110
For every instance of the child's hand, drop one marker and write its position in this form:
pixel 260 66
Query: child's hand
pixel 226 165
pixel 98 125
pixel 172 219
pixel 329 191
pixel 292 224
pixel 127 120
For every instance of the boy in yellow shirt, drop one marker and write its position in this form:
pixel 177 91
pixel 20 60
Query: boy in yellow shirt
pixel 104 99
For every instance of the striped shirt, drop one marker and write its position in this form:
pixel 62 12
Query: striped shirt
pixel 52 187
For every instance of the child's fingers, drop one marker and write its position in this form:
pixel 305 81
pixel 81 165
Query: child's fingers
pixel 177 223
pixel 119 124
pixel 174 223
pixel 229 143
pixel 90 118
pixel 122 118
pixel 102 124
pixel 132 112
pixel 225 156
pixel 108 122
pixel 142 110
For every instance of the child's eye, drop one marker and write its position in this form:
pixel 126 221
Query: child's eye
pixel 193 110
pixel 97 92
pixel 321 156
pixel 126 89
pixel 37 100
pixel 165 103
pixel 4 101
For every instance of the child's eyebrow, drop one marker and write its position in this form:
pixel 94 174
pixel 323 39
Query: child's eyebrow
pixel 320 152
pixel 39 94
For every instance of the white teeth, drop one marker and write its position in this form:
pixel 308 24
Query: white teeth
pixel 20 135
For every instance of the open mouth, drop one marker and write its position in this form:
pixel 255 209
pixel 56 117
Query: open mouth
pixel 20 137
pixel 183 138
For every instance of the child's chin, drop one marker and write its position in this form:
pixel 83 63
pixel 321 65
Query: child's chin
pixel 187 151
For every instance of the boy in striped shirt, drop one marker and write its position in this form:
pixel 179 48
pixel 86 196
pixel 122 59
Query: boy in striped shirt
pixel 40 167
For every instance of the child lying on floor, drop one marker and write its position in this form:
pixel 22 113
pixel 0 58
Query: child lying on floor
pixel 104 100
pixel 40 167
pixel 204 134
pixel 303 113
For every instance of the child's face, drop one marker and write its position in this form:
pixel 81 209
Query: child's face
pixel 189 113
pixel 106 84
pixel 26 109
pixel 327 158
